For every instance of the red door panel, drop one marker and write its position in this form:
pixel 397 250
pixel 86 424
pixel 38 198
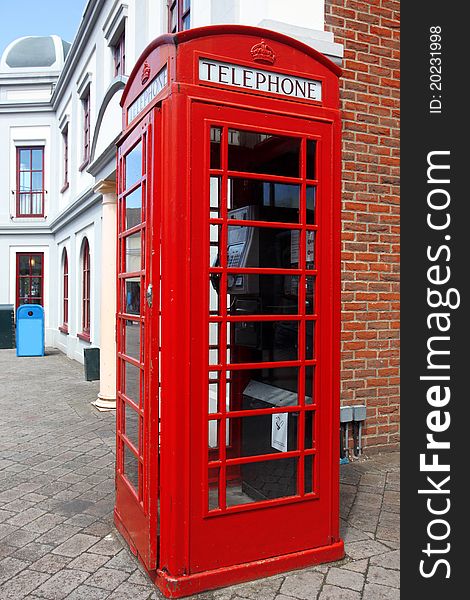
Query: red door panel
pixel 137 328
pixel 263 391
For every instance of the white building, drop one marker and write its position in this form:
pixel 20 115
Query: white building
pixel 59 120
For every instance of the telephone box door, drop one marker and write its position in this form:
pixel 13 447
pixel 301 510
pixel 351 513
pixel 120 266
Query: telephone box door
pixel 265 256
pixel 137 370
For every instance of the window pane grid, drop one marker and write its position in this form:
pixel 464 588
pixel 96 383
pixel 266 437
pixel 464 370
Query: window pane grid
pixel 306 275
pixel 30 181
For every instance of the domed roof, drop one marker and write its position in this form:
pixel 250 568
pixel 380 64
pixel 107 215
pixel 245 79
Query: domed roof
pixel 45 53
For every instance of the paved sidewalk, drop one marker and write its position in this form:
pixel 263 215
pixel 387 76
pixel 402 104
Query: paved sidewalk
pixel 57 538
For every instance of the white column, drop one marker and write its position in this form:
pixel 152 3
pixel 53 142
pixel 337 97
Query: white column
pixel 107 396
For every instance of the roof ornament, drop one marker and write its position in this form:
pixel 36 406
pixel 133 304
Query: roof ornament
pixel 263 53
pixel 145 76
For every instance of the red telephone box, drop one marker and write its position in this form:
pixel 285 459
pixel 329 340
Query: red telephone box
pixel 228 308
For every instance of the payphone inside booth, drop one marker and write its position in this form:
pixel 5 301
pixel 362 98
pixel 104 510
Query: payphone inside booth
pixel 228 308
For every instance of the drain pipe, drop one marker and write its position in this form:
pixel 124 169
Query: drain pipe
pixel 346 416
pixel 359 416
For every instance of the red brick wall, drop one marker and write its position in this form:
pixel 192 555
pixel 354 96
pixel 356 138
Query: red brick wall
pixel 370 243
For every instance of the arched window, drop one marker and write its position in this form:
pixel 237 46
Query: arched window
pixel 65 293
pixel 85 290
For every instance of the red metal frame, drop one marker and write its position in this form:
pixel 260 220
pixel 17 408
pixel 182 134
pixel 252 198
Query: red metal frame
pixel 26 299
pixel 86 105
pixel 86 283
pixel 119 55
pixel 64 328
pixel 198 548
pixel 29 192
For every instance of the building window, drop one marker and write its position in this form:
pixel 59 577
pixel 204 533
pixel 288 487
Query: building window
pixel 86 129
pixel 65 293
pixel 119 55
pixel 65 159
pixel 179 15
pixel 30 181
pixel 29 278
pixel 85 334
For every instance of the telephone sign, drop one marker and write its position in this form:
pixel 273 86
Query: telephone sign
pixel 228 314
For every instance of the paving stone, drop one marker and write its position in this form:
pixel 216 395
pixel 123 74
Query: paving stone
pixel 33 551
pixel 365 549
pixel 383 576
pixel 76 545
pixel 108 579
pixel 122 561
pixel 10 566
pixel 389 560
pixel 19 538
pixel 58 535
pixel 126 591
pixel 44 523
pixel 22 584
pixel 110 545
pixel 373 591
pixel 359 566
pixel 345 579
pixel 86 592
pixel 331 592
pixel 89 562
pixel 302 584
pixel 61 584
pixel 50 563
pixel 139 578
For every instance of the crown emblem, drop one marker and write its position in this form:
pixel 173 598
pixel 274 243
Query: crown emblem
pixel 145 73
pixel 263 53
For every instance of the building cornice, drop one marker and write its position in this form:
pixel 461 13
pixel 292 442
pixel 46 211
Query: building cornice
pixel 85 30
pixel 78 206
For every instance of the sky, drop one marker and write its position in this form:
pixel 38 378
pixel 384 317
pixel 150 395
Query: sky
pixel 39 17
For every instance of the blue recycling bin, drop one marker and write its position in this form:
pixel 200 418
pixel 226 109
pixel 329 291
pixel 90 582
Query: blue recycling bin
pixel 30 330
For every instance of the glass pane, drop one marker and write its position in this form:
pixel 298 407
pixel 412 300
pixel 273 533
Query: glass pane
pixel 259 389
pixel 131 468
pixel 265 480
pixel 36 287
pixel 254 152
pixel 270 294
pixel 24 265
pixel 309 339
pixel 263 200
pixel 213 489
pixel 25 204
pixel 308 474
pixel 24 287
pixel 216 135
pixel 186 5
pixel 213 438
pixel 186 22
pixel 133 252
pixel 132 296
pixel 132 425
pixel 310 295
pixel 214 286
pixel 134 208
pixel 25 181
pixel 173 19
pixel 215 197
pixel 132 339
pixel 36 164
pixel 311 204
pixel 131 383
pixel 309 384
pixel 264 341
pixel 214 343
pixel 213 392
pixel 133 166
pixel 309 429
pixel 214 238
pixel 280 247
pixel 25 160
pixel 36 203
pixel 36 264
pixel 266 434
pixel 311 150
pixel 310 250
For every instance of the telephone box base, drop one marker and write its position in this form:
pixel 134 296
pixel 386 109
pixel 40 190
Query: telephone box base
pixel 179 587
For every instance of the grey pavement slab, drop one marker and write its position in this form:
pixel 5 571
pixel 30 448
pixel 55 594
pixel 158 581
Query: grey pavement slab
pixel 57 538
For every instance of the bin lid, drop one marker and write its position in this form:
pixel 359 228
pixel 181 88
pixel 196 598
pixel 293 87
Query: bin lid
pixel 271 394
pixel 6 306
pixel 30 311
